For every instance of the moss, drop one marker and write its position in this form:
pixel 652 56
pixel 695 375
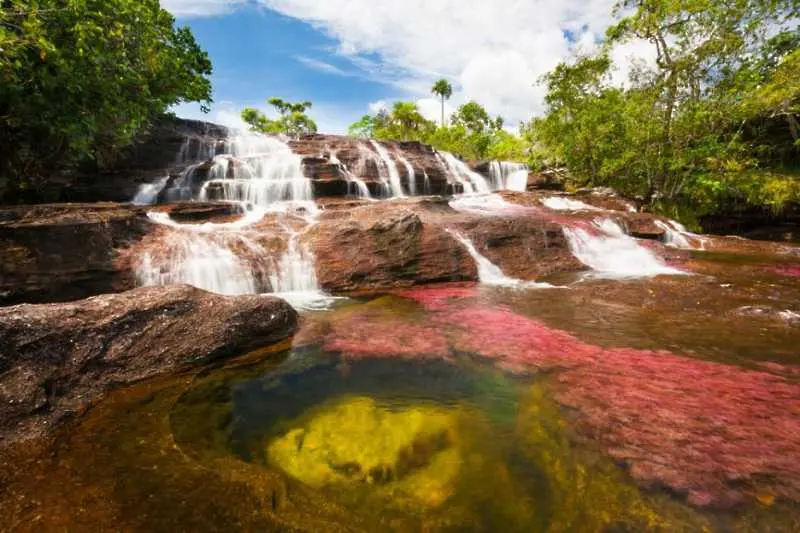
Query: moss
pixel 356 440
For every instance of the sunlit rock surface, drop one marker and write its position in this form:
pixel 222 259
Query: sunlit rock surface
pixel 58 358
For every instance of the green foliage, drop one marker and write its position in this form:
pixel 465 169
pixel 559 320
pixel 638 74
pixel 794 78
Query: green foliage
pixel 80 78
pixel 472 133
pixel 699 123
pixel 293 120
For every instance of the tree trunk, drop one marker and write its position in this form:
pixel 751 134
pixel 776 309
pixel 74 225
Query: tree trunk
pixel 443 111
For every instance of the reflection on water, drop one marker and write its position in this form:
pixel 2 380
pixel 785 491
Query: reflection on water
pixel 647 405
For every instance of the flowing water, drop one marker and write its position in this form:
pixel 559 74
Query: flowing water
pixel 560 203
pixel 491 274
pixel 508 176
pixel 452 408
pixel 388 171
pixel 470 181
pixel 610 252
pixel 636 398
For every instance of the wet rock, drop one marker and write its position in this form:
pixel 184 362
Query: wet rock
pixel 65 251
pixel 58 358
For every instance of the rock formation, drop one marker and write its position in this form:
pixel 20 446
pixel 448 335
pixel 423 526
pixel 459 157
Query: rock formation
pixel 58 358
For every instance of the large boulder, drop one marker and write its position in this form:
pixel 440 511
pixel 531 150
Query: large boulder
pixel 57 358
pixel 65 251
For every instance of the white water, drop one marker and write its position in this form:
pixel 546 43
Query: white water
pixel 559 203
pixel 200 261
pixel 294 278
pixel 259 170
pixel 470 181
pixel 508 176
pixel 614 254
pixel 148 192
pixel 412 176
pixel 263 175
pixel 388 171
pixel 361 189
pixel 486 204
pixel 677 236
pixel 491 274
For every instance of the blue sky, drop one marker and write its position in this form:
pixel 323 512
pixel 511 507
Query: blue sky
pixel 350 57
pixel 258 53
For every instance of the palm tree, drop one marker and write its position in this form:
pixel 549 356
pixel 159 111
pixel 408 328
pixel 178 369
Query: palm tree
pixel 445 91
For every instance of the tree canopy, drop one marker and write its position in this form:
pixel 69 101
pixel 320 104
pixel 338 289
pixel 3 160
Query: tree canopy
pixel 293 120
pixel 80 78
pixel 472 133
pixel 700 124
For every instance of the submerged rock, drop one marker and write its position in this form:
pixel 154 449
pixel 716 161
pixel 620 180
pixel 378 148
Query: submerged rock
pixel 57 358
pixel 359 441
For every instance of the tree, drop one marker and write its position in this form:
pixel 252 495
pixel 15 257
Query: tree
pixel 293 120
pixel 364 128
pixel 445 91
pixel 82 78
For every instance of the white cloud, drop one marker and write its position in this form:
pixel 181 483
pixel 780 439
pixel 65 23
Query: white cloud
pixel 493 52
pixel 200 8
pixel 322 66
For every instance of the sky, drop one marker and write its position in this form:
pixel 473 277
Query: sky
pixel 352 57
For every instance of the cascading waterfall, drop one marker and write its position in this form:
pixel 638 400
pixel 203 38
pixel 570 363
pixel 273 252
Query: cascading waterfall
pixel 508 176
pixel 611 253
pixel 412 176
pixel 361 189
pixel 470 181
pixel 677 236
pixel 258 170
pixel 559 203
pixel 388 170
pixel 294 278
pixel 263 175
pixel 211 261
pixel 491 274
pixel 148 192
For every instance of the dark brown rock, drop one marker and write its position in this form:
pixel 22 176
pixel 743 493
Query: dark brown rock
pixel 58 358
pixel 65 251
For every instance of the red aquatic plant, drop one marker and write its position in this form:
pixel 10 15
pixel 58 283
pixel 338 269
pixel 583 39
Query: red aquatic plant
pixel 710 431
pixel 791 270
pixel 357 337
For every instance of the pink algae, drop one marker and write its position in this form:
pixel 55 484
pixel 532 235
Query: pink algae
pixel 791 271
pixel 712 432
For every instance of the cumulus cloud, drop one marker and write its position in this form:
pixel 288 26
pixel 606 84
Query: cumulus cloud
pixel 493 52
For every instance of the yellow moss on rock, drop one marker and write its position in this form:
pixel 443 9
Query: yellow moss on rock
pixel 412 450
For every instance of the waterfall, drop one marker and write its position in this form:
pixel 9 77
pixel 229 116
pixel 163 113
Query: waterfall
pixel 263 175
pixel 255 169
pixel 508 176
pixel 559 203
pixel 390 168
pixel 361 189
pixel 471 181
pixel 294 278
pixel 202 260
pixel 610 252
pixel 412 177
pixel 677 236
pixel 491 274
pixel 148 192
